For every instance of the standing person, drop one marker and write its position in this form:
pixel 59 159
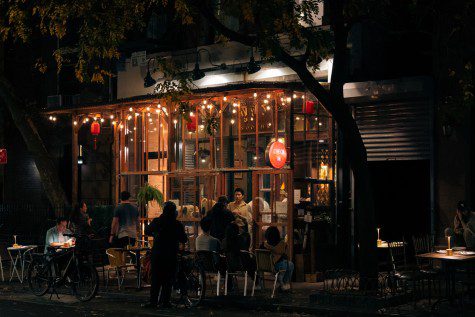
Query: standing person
pixel 239 207
pixel 220 218
pixel 80 222
pixel 278 248
pixel 125 222
pixel 167 234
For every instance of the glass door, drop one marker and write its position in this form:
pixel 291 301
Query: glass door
pixel 272 202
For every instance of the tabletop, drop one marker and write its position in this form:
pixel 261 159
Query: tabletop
pixel 385 245
pixel 440 256
pixel 135 249
pixel 22 247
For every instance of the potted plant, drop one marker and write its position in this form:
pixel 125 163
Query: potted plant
pixel 147 194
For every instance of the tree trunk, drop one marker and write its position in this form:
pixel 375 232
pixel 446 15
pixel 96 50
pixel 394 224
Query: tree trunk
pixel 45 165
pixel 334 103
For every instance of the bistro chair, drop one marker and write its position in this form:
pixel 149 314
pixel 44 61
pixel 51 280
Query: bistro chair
pixel 209 260
pixel 425 244
pixel 234 268
pixel 401 273
pixel 118 264
pixel 265 264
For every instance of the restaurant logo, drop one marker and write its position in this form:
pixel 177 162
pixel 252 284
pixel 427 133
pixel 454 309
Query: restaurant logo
pixel 276 154
pixel 3 156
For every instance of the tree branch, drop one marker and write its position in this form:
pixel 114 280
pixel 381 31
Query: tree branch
pixel 208 14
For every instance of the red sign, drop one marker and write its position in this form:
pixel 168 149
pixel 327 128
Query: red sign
pixel 309 107
pixel 3 156
pixel 276 154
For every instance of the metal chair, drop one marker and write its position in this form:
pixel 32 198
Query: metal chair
pixel 117 263
pixel 265 264
pixel 234 267
pixel 209 262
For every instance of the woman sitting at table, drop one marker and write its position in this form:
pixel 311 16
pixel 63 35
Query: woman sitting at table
pixel 464 226
pixel 278 248
pixel 167 234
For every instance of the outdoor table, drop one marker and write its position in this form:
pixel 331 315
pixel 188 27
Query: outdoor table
pixel 450 262
pixel 17 257
pixel 137 251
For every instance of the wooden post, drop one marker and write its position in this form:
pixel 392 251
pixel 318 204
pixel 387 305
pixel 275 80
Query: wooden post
pixel 74 161
pixel 115 157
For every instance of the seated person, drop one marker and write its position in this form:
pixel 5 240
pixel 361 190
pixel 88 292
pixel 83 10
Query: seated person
pixel 278 248
pixel 205 242
pixel 55 236
pixel 220 218
pixel 244 237
pixel 464 227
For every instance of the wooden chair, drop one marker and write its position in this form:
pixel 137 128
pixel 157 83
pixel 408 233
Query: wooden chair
pixel 425 244
pixel 265 264
pixel 117 263
pixel 209 262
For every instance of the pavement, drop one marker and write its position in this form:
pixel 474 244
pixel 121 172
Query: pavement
pixel 16 300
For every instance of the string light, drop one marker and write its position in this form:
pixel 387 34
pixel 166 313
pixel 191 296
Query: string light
pixel 130 109
pixel 75 123
pixel 225 98
pixel 121 126
pixel 102 120
pixel 87 119
pixel 303 96
pixel 95 119
pixel 269 124
pixel 234 111
pixel 175 121
pixel 235 104
pixel 255 95
pixel 159 106
pixel 114 123
pixel 157 111
pixel 266 101
pixel 137 114
pixel 129 118
pixel 204 101
pixel 268 96
pixel 268 108
pixel 112 116
pixel 232 121
pixel 148 108
pixel 252 118
pixel 289 99
pixel 54 119
pixel 150 120
pixel 51 118
pixel 203 107
pixel 294 96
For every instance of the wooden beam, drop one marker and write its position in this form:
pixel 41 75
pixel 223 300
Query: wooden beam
pixel 74 161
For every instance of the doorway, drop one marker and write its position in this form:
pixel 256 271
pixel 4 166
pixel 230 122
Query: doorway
pixel 401 192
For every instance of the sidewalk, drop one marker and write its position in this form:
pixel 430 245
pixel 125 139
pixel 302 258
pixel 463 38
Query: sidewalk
pixel 301 299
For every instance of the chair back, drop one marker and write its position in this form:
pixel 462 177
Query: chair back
pixel 208 260
pixel 248 260
pixel 397 254
pixel 264 260
pixel 116 257
pixel 233 262
pixel 422 244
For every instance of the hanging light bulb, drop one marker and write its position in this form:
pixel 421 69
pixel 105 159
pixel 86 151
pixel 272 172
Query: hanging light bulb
pixel 234 111
pixel 131 109
pixel 137 114
pixel 255 95
pixel 232 121
pixel 268 107
pixel 235 104
pixel 87 119
pixel 268 96
pixel 289 99
pixel 129 117
pixel 266 101
pixel 159 106
pixel 148 108
pixel 294 96
pixel 225 98
pixel 75 123
pixel 111 116
pixel 102 120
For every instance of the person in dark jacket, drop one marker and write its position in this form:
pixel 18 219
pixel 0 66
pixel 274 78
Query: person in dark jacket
pixel 80 222
pixel 220 217
pixel 168 233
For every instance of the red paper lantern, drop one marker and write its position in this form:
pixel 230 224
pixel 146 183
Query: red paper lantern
pixel 191 125
pixel 95 131
pixel 309 107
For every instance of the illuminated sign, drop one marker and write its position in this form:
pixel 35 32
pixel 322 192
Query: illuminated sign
pixel 276 154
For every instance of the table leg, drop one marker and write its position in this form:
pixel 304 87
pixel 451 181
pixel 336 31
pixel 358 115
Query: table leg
pixel 13 267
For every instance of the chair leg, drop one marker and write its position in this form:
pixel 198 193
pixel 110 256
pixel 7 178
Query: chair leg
pixel 226 284
pixel 245 283
pixel 254 283
pixel 119 284
pixel 107 280
pixel 275 283
pixel 1 269
pixel 218 284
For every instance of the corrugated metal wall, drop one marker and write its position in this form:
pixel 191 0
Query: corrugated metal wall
pixel 396 130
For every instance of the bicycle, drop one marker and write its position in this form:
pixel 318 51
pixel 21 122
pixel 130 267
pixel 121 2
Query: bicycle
pixel 78 274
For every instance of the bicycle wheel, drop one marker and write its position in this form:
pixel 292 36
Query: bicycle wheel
pixel 38 277
pixel 195 285
pixel 84 281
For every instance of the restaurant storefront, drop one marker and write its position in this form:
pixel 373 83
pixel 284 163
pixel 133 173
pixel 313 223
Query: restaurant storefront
pixel 275 141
